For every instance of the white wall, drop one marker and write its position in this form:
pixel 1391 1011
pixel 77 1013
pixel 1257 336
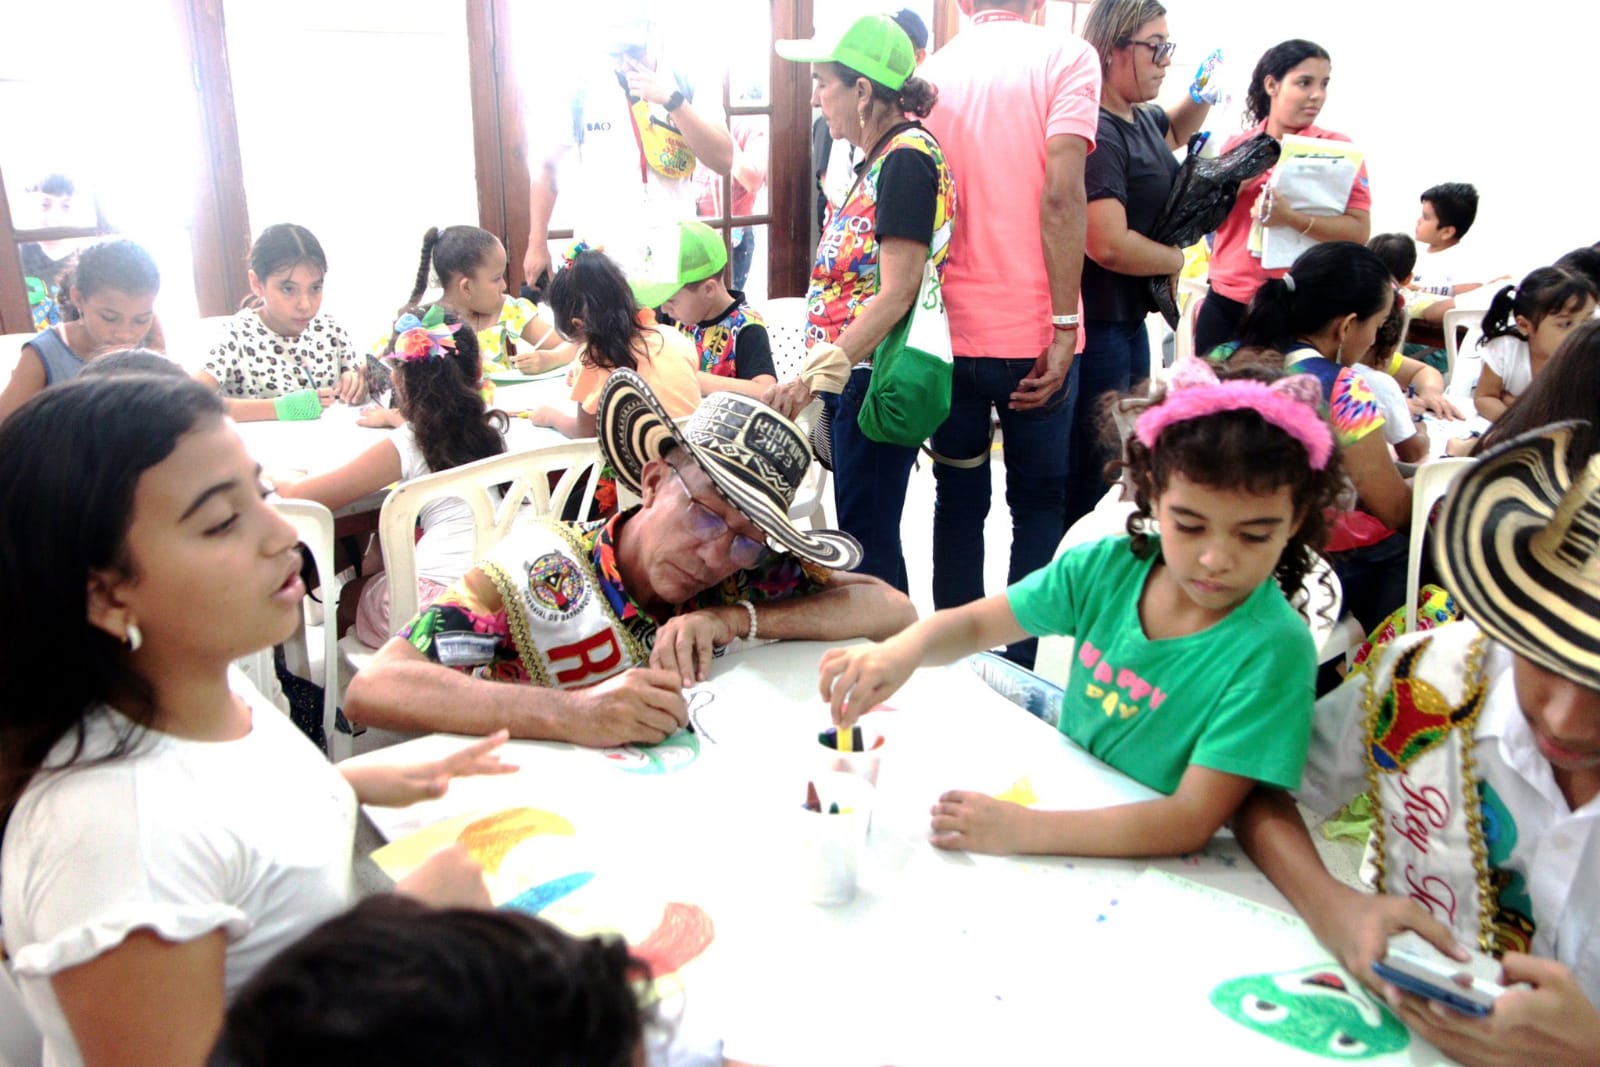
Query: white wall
pixel 1434 92
pixel 355 121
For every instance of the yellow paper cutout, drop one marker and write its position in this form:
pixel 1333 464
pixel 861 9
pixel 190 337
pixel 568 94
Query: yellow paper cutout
pixel 1021 792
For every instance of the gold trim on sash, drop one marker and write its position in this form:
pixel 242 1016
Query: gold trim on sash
pixel 1459 740
pixel 512 593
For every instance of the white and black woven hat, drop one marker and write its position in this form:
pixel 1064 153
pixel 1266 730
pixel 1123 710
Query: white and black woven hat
pixel 754 456
pixel 1519 546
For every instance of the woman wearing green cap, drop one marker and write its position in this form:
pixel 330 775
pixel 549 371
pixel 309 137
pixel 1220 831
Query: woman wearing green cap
pixel 869 262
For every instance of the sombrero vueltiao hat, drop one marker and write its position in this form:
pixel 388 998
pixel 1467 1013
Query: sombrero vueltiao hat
pixel 754 456
pixel 1519 546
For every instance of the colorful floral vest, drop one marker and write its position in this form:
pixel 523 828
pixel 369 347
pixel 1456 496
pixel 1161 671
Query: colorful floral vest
pixel 718 343
pixel 845 274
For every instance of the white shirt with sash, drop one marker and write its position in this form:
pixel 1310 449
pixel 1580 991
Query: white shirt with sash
pixel 1546 856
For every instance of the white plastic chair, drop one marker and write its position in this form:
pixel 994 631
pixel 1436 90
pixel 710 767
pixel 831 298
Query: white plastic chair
pixel 1454 319
pixel 1432 481
pixel 21 1044
pixel 786 329
pixel 314 525
pixel 475 484
pixel 1194 291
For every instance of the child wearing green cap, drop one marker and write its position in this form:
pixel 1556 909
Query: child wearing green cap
pixel 730 336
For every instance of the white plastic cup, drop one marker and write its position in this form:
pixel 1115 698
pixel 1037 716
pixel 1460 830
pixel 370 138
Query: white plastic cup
pixel 862 763
pixel 829 846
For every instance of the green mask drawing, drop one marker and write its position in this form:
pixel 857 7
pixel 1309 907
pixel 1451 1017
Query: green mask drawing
pixel 672 754
pixel 1317 1010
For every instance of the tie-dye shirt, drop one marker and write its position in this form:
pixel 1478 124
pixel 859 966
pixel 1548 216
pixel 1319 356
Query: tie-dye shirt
pixel 845 274
pixel 1353 408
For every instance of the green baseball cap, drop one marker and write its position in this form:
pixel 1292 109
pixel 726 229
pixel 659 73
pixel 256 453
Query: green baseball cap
pixel 874 45
pixel 674 257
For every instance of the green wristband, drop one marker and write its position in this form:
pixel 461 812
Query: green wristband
pixel 298 407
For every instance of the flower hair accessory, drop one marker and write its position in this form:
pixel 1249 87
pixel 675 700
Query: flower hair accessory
pixel 1193 392
pixel 576 249
pixel 424 338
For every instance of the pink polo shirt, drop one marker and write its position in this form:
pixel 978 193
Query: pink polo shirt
pixel 1235 273
pixel 1005 87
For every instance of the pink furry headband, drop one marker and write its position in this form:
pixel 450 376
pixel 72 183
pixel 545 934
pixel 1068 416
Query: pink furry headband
pixel 1194 392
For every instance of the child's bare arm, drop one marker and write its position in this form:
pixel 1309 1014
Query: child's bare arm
pixel 854 679
pixel 1491 396
pixel 1353 925
pixel 1183 822
pixel 753 387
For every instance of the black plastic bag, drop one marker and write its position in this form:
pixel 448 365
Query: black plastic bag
pixel 1201 198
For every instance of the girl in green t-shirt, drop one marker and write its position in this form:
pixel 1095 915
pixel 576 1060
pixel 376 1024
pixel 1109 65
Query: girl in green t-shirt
pixel 1191 672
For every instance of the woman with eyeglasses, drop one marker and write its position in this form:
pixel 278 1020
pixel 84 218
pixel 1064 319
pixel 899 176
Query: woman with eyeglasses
pixel 1287 91
pixel 1127 180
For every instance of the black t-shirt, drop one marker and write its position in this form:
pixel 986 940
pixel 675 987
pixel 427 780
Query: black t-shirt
pixel 908 195
pixel 1132 163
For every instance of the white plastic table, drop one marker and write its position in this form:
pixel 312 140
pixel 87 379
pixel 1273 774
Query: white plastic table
pixel 942 958
pixel 317 445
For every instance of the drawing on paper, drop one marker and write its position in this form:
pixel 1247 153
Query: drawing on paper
pixel 684 933
pixel 699 701
pixel 491 837
pixel 673 754
pixel 1318 1010
pixel 540 897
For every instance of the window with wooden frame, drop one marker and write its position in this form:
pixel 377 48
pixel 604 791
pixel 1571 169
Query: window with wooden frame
pixel 86 154
pixel 760 206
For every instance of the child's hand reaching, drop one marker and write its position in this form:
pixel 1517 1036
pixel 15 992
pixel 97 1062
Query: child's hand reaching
pixel 855 680
pixel 352 387
pixel 450 878
pixel 392 786
pixel 374 416
pixel 976 822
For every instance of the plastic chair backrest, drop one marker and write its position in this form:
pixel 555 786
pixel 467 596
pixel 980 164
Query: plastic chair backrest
pixel 1432 481
pixel 1454 319
pixel 21 1044
pixel 786 329
pixel 314 525
pixel 578 465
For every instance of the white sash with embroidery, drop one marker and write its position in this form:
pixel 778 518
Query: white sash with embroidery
pixel 1428 834
pixel 566 633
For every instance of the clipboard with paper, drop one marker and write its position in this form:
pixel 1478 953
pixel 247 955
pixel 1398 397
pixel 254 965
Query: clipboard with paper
pixel 1313 176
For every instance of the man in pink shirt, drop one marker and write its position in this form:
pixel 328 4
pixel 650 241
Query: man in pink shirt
pixel 1018 109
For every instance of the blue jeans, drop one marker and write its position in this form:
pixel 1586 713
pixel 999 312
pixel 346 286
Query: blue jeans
pixel 869 485
pixel 1114 354
pixel 1036 471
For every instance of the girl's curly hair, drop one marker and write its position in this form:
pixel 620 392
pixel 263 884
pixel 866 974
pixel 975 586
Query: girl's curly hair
pixel 1236 451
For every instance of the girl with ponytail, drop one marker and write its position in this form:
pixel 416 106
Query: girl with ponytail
pixel 1323 316
pixel 1522 329
pixel 433 357
pixel 1287 92
pixel 470 265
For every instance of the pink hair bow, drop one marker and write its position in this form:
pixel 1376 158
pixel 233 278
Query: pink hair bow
pixel 1194 391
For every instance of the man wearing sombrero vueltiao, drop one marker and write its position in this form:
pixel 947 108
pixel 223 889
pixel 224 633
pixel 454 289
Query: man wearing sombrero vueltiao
pixel 604 624
pixel 1479 743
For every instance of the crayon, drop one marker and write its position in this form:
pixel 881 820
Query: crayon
pixel 813 802
pixel 833 809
